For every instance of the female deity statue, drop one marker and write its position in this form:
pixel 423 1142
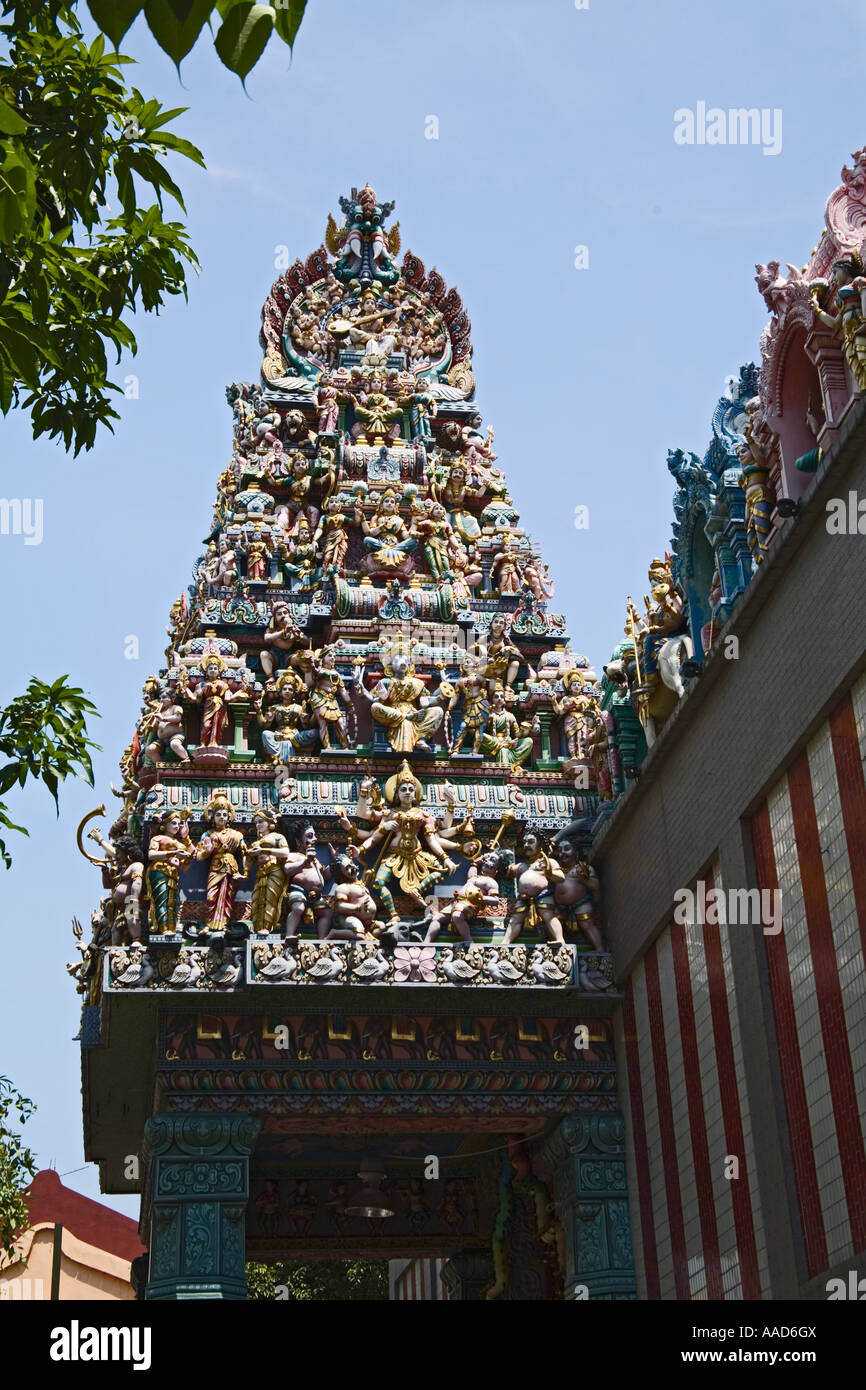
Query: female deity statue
pixel 268 853
pixel 169 851
pixel 332 535
pixel 505 570
pixel 404 834
pixel 220 848
pixel 288 737
pixel 503 659
pixel 435 531
pixel 377 415
pixel 282 634
pixel 328 698
pixel 850 318
pixel 215 695
pixel 471 690
pixel 386 533
pixel 537 874
pixel 399 702
pixel 572 709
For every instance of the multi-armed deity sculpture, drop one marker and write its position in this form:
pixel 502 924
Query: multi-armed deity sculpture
pixel 370 729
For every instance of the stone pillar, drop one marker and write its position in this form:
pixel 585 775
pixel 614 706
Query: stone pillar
pixel 468 1275
pixel 586 1155
pixel 197 1186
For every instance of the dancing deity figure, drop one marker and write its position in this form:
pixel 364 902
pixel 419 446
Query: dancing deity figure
pixel 399 702
pixel 413 855
pixel 220 847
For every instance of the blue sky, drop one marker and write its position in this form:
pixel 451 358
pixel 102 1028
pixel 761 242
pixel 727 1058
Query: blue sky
pixel 555 130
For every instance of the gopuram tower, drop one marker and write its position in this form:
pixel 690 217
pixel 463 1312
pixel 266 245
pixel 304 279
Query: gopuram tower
pixel 347 994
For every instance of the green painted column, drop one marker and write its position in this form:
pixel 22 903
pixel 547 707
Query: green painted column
pixel 586 1155
pixel 197 1187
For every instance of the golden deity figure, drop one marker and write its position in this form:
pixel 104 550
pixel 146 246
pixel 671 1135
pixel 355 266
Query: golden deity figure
pixel 471 690
pixel 456 493
pixel 760 494
pixel 378 415
pixel 170 850
pixel 399 702
pixel 220 848
pixel 268 853
pixel 328 698
pixel 414 854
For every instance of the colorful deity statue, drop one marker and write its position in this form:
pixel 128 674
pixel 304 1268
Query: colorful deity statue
pixel 377 417
pixel 503 658
pixel 537 582
pixel 435 532
pixel 505 571
pixel 355 911
pixel 169 851
pixel 664 616
pixel 850 316
pixel 282 635
pixel 386 533
pixel 399 701
pixel 537 874
pixel 331 534
pixel 307 877
pixel 572 709
pixel 163 726
pixel 470 691
pixel 220 848
pixel 267 854
pixel 123 875
pixel 303 554
pixel 328 402
pixel 287 734
pixel 760 495
pixel 576 895
pixel 328 699
pixel 256 551
pixel 456 494
pixel 214 694
pixel 504 739
pixel 414 855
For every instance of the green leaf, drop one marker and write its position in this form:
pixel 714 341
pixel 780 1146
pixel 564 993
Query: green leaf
pixel 243 35
pixel 17 191
pixel 288 18
pixel 176 24
pixel 10 121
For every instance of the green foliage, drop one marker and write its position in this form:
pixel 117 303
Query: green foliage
pixel 326 1280
pixel 176 24
pixel 17 1163
pixel 43 733
pixel 75 144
